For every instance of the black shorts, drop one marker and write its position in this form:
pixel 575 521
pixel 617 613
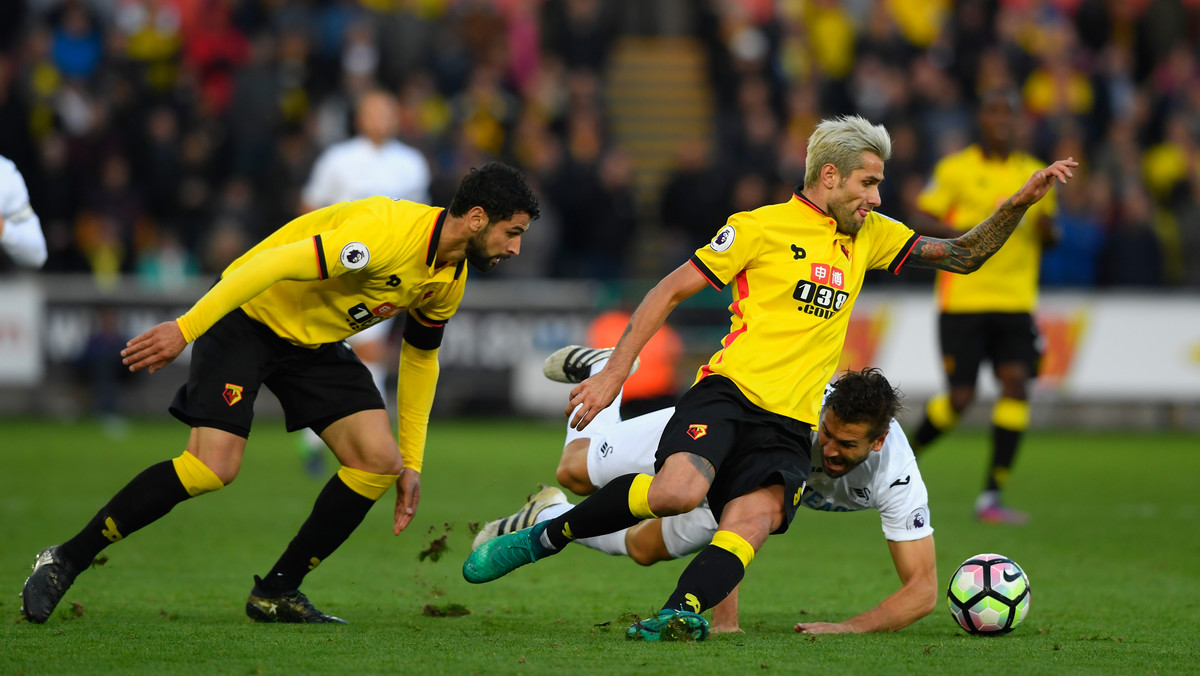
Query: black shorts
pixel 749 446
pixel 233 359
pixel 999 337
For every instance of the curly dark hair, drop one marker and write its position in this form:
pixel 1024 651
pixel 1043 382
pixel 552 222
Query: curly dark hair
pixel 499 189
pixel 865 396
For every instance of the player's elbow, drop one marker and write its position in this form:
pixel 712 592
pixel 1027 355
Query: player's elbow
pixel 926 597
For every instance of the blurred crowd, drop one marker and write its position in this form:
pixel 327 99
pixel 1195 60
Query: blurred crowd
pixel 163 137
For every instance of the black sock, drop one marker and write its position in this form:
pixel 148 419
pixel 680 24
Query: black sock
pixel 926 434
pixel 603 512
pixel 707 580
pixel 336 513
pixel 144 500
pixel 1004 451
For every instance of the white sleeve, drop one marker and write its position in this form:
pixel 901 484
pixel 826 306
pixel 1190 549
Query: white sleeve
pixel 322 184
pixel 22 237
pixel 900 493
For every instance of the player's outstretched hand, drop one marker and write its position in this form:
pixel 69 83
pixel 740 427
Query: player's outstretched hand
pixel 1042 180
pixel 593 395
pixel 408 495
pixel 155 348
pixel 822 628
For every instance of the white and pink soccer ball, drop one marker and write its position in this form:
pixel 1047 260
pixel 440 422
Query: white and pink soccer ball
pixel 989 595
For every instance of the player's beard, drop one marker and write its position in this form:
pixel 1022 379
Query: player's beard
pixel 477 254
pixel 846 217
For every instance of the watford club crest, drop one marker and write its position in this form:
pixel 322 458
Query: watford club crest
pixel 697 431
pixel 232 393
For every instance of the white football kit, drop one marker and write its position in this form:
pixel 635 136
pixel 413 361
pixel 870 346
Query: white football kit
pixel 888 481
pixel 21 237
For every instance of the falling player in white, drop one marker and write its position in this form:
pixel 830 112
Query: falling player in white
pixel 857 468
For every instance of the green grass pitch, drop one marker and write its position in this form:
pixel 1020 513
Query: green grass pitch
pixel 1112 554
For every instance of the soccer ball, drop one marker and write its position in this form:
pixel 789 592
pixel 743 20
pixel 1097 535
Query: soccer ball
pixel 988 594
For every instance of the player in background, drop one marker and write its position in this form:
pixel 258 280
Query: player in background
pixel 372 163
pixel 865 463
pixel 21 234
pixel 740 437
pixel 278 317
pixel 988 315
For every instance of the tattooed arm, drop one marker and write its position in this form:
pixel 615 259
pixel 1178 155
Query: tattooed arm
pixel 966 253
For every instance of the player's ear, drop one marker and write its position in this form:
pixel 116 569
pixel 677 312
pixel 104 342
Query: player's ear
pixel 830 176
pixel 878 443
pixel 477 219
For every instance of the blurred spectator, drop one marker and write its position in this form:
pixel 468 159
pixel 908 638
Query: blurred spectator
pixel 215 48
pixel 111 221
pixel 78 44
pixel 579 32
pixel 100 370
pixel 164 264
pixel 1132 255
pixel 693 203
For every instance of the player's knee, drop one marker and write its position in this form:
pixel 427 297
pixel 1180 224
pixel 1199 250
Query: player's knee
pixel 383 458
pixel 644 543
pixel 570 481
pixel 389 464
pixel 674 500
pixel 198 478
pixel 640 555
pixel 961 399
pixel 572 471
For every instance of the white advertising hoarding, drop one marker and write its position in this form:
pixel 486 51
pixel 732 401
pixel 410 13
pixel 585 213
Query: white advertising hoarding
pixel 1095 347
pixel 21 309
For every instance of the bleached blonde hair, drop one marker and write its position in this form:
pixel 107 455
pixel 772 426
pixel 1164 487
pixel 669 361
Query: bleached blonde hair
pixel 841 141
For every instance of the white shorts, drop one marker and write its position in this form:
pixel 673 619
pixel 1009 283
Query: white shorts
pixel 625 448
pixel 629 447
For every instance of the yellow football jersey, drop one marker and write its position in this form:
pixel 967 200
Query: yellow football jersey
pixel 795 279
pixel 374 259
pixel 966 188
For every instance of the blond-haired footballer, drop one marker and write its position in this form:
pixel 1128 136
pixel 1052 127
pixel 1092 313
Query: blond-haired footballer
pixel 740 437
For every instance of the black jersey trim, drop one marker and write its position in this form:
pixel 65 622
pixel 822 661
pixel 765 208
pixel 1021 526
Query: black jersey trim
pixel 708 274
pixel 322 271
pixel 902 256
pixel 426 319
pixel 434 237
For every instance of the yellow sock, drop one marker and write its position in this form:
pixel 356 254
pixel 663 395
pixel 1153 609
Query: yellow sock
pixel 639 497
pixel 1011 414
pixel 734 544
pixel 196 477
pixel 367 484
pixel 941 413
